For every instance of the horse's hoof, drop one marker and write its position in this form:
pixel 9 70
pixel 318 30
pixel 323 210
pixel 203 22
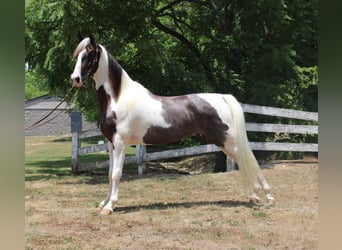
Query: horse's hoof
pixel 254 199
pixel 106 211
pixel 269 200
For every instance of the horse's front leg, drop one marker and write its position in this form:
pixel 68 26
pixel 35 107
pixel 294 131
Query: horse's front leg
pixel 111 161
pixel 115 175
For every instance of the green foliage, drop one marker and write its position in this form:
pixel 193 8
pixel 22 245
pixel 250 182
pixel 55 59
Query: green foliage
pixel 308 87
pixel 33 85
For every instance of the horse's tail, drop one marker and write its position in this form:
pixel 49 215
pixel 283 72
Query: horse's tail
pixel 249 168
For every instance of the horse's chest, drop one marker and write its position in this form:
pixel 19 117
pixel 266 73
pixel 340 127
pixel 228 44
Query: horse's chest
pixel 108 125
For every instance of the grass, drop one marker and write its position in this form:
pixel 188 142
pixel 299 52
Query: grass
pixel 50 156
pixel 47 157
pixel 163 210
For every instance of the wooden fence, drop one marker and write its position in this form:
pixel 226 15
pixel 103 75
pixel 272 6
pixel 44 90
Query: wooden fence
pixel 141 156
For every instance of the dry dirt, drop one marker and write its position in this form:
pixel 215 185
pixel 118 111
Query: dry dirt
pixel 173 211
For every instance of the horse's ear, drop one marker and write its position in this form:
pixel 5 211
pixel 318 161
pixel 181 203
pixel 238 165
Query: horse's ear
pixel 92 41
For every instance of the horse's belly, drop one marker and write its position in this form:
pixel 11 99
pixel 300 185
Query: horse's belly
pixel 161 135
pixel 135 139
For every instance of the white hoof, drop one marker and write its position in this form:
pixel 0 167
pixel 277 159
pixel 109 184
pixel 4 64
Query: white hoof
pixel 269 200
pixel 106 211
pixel 101 205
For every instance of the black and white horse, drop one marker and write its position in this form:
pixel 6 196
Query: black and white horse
pixel 131 114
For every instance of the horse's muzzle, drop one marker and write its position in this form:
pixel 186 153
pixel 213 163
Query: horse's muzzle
pixel 77 82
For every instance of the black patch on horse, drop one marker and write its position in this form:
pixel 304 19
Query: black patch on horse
pixel 187 115
pixel 107 118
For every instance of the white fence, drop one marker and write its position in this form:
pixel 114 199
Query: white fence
pixel 142 156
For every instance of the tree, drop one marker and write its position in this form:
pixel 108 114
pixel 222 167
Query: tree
pixel 264 52
pixel 33 85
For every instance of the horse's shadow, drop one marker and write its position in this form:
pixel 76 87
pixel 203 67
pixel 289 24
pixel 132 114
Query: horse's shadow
pixel 168 205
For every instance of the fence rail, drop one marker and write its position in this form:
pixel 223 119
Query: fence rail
pixel 280 112
pixel 142 156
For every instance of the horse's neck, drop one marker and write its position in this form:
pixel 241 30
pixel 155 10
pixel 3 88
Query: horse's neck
pixel 126 84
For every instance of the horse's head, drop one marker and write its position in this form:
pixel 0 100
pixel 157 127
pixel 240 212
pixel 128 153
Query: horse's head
pixel 88 55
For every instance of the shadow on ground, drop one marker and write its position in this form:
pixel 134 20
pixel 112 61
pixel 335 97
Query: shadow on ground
pixel 42 170
pixel 168 205
pixel 56 169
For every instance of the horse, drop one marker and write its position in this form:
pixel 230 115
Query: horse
pixel 131 114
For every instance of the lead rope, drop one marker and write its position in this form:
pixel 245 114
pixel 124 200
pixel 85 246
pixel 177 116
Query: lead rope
pixel 38 123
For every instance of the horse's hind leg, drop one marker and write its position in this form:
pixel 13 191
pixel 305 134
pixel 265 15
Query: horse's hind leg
pixel 269 200
pixel 230 149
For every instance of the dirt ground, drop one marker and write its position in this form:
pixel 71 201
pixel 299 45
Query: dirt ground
pixel 174 211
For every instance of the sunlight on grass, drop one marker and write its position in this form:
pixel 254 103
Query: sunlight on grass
pixel 50 156
pixel 47 156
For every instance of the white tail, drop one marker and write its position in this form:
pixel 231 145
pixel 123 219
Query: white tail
pixel 249 168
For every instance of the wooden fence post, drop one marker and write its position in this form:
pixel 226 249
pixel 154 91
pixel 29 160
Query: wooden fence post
pixel 140 151
pixel 75 159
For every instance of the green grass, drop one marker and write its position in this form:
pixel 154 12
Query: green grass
pixel 258 213
pixel 50 156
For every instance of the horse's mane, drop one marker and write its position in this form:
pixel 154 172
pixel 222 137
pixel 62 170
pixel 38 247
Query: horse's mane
pixel 115 72
pixel 82 45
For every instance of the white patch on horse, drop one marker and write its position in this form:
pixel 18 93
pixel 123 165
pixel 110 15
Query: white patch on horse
pixel 81 46
pixel 78 66
pixel 218 103
pixel 144 112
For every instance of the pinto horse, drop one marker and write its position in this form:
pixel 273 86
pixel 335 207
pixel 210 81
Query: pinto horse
pixel 131 114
